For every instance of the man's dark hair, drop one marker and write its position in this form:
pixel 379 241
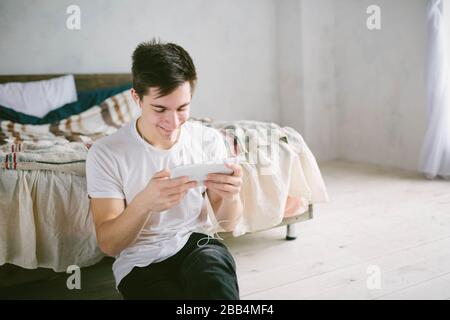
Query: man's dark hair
pixel 165 66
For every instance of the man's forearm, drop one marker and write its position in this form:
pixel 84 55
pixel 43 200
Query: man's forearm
pixel 228 213
pixel 116 234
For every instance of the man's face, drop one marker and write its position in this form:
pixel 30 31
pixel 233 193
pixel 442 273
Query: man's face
pixel 163 117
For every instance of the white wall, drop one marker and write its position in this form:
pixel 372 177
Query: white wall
pixel 307 75
pixel 353 93
pixel 290 58
pixel 380 82
pixel 232 44
pixel 318 23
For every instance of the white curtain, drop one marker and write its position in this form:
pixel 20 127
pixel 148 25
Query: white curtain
pixel 435 154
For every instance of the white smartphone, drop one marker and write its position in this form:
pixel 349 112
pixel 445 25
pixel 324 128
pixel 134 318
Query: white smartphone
pixel 198 172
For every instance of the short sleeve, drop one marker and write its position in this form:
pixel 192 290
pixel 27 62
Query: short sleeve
pixel 103 180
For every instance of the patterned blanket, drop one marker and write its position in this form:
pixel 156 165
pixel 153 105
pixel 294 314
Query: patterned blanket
pixel 62 146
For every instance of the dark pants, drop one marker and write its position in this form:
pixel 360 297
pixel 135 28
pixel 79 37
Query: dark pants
pixel 197 271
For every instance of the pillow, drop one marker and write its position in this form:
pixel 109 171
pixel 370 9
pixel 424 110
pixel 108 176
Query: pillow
pixel 37 98
pixel 86 99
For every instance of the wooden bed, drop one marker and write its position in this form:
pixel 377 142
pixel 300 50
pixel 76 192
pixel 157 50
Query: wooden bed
pixel 105 80
pixel 82 81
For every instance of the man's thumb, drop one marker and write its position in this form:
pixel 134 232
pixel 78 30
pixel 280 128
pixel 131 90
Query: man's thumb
pixel 162 174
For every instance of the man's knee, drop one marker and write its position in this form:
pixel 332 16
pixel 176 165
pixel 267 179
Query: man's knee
pixel 210 273
pixel 210 258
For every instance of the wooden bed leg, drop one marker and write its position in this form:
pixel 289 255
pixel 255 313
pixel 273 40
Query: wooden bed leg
pixel 291 232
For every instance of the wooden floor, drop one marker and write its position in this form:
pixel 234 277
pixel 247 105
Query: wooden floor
pixel 384 235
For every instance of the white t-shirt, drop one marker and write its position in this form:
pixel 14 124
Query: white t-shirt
pixel 122 164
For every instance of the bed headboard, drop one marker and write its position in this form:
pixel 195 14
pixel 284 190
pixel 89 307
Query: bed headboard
pixel 83 82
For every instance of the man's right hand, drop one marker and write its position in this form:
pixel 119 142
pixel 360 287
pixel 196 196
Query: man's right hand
pixel 162 193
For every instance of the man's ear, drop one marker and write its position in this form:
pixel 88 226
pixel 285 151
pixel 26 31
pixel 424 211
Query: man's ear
pixel 135 96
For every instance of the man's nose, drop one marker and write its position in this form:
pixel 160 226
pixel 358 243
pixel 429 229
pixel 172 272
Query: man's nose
pixel 173 120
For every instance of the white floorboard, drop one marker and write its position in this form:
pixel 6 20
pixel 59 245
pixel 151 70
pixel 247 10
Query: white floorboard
pixel 391 219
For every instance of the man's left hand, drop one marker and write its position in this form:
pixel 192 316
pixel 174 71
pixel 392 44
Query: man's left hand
pixel 227 186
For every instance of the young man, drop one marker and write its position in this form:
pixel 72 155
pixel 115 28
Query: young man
pixel 152 224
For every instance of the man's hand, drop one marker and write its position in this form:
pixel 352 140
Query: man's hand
pixel 226 186
pixel 162 193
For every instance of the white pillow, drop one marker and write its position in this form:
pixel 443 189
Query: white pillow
pixel 37 98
